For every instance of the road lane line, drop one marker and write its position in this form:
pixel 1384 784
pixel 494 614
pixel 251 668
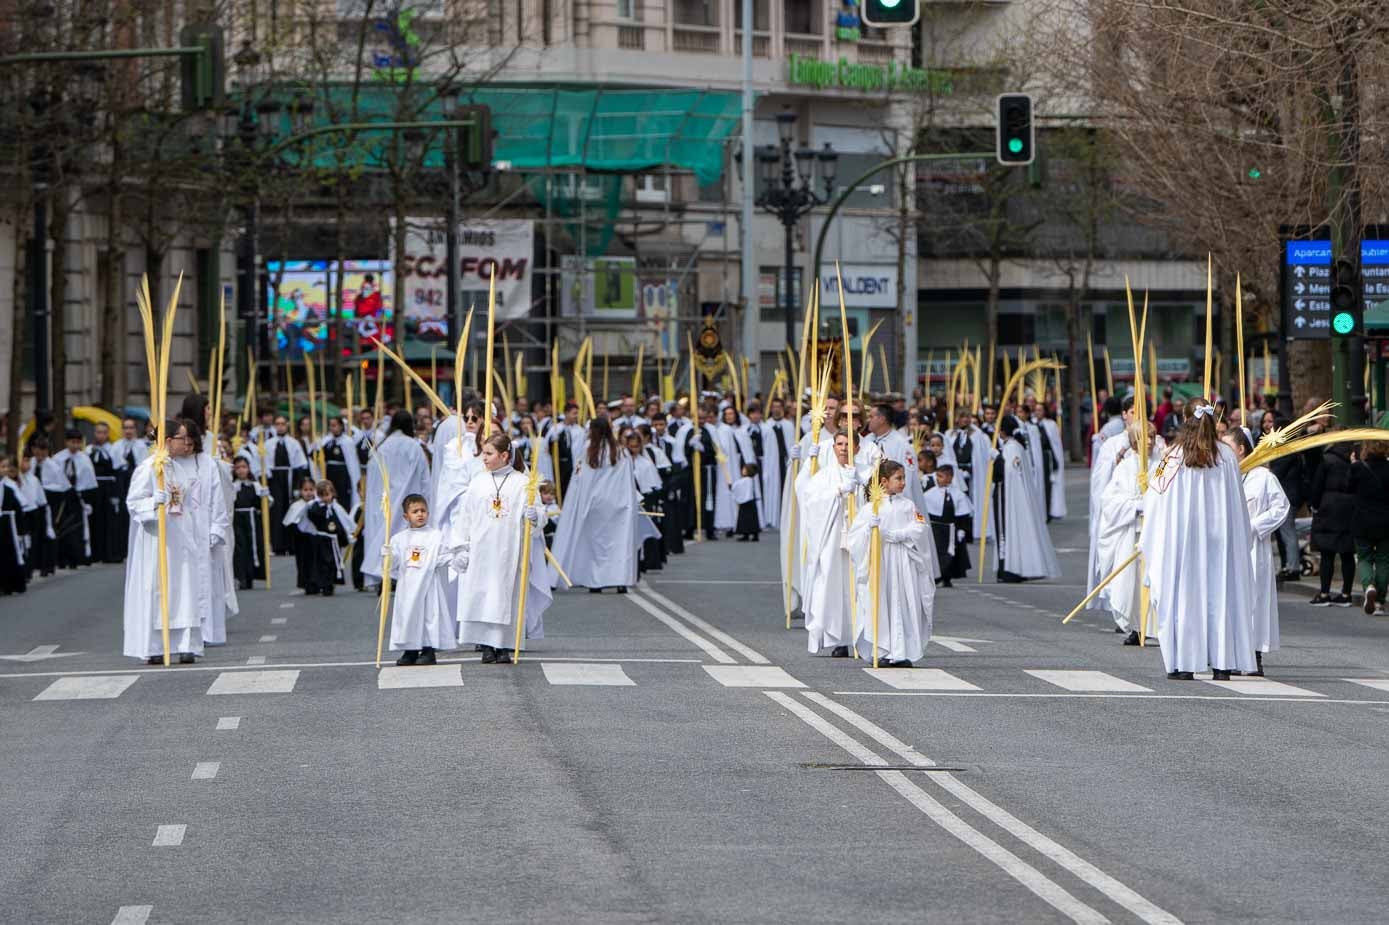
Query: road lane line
pixel 206 770
pixel 132 915
pixel 1087 681
pixel 920 679
pixel 1256 686
pixel 747 652
pixel 762 676
pixel 256 660
pixel 184 669
pixel 1027 875
pixel 394 677
pixel 254 682
pixel 228 722
pixel 98 687
pixel 268 637
pixel 587 674
pixel 286 605
pixel 278 621
pixel 1081 868
pixel 1379 684
pixel 713 651
pixel 169 836
pixel 1214 698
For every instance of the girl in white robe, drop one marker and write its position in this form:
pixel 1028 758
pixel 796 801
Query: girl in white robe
pixel 1196 541
pixel 487 541
pixel 1120 519
pixel 1023 549
pixel 402 457
pixel 907 592
pixel 421 614
pixel 197 524
pixel 726 437
pixel 597 539
pixel 826 571
pixel 1268 507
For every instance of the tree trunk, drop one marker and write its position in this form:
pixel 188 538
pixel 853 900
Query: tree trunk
pixel 57 307
pixel 19 327
pixel 113 331
pixel 154 272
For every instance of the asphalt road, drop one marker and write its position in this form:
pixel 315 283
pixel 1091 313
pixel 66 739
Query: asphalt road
pixel 675 755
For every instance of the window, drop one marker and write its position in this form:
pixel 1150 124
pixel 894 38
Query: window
pixel 628 9
pixel 696 13
pixel 572 186
pixel 652 187
pixel 760 15
pixel 802 17
pixel 771 291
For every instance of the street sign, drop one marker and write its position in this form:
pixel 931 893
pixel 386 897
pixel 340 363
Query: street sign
pixel 1307 285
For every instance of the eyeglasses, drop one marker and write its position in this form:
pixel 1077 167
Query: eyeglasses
pixel 471 418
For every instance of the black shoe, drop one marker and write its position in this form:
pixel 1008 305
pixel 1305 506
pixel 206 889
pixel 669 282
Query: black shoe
pixel 408 657
pixel 742 539
pixel 728 535
pixel 155 660
pixel 1258 660
pixel 504 657
pixel 1180 676
pixel 595 590
pixel 328 591
pixel 489 655
pixel 945 583
pixel 1009 578
pixel 186 658
pixel 244 586
pixel 840 652
pixel 1218 674
pixel 1340 600
pixel 1132 638
pixel 1321 600
pixel 1117 630
pixel 426 657
pixel 621 590
pixel 900 663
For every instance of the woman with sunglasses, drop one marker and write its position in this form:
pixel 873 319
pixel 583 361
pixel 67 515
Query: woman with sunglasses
pixel 596 543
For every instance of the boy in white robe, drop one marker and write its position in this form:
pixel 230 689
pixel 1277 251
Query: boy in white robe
pixel 906 589
pixel 1268 507
pixel 421 618
pixel 1119 526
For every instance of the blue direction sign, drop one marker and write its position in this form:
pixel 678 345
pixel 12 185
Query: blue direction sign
pixel 1307 289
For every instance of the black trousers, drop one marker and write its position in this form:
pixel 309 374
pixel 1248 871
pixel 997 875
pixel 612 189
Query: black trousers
pixel 1328 563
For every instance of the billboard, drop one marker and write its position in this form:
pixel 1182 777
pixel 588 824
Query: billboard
pixel 504 246
pixel 367 288
pixel 300 313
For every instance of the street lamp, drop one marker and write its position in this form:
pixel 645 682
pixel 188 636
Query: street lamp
pixel 791 191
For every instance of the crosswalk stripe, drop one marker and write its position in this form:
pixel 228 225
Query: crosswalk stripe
pixel 132 915
pixel 254 682
pixel 586 673
pixel 1088 681
pixel 228 723
pixel 169 836
pixel 91 687
pixel 1261 687
pixel 395 677
pixel 764 676
pixel 1379 684
pixel 206 770
pixel 920 679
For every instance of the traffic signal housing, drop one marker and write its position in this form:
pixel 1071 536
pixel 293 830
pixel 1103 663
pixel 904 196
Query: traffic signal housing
pixel 202 76
pixel 475 141
pixel 884 13
pixel 1015 137
pixel 1347 301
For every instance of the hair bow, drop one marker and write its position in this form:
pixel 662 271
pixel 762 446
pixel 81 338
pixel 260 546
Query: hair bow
pixel 1202 411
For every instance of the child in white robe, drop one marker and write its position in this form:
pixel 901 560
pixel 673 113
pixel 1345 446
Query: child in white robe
pixel 486 541
pixel 907 592
pixel 421 619
pixel 299 533
pixel 1268 508
pixel 1116 535
pixel 745 496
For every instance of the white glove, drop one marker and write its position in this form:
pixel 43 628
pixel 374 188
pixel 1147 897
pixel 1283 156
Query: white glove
pixel 87 509
pixel 532 514
pixel 160 496
pixel 993 454
pixel 960 536
pixel 262 491
pixel 794 451
pixel 874 521
pixel 386 551
pixel 218 541
pixel 460 561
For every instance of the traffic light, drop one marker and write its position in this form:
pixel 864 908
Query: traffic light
pixel 1347 302
pixel 202 76
pixel 1015 135
pixel 890 12
pixel 475 141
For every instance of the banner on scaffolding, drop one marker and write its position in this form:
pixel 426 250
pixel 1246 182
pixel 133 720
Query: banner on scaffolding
pixel 504 246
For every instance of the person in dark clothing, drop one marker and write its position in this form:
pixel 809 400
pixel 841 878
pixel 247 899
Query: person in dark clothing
pixel 1369 483
pixel 1291 472
pixel 1333 510
pixel 331 527
pixel 951 518
pixel 14 573
pixel 709 460
pixel 104 501
pixel 248 560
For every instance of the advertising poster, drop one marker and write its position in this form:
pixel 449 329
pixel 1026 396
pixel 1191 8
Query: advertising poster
pixel 299 306
pixel 605 287
pixel 506 247
pixel 367 287
pixel 425 277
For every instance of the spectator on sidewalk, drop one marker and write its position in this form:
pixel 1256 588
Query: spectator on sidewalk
pixel 1333 506
pixel 1369 481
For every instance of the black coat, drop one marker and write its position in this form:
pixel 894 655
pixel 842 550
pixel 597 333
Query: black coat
pixel 1333 502
pixel 1291 473
pixel 1369 480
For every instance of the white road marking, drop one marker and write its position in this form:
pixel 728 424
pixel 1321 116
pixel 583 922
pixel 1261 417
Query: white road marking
pixel 746 652
pixel 1216 698
pixel 254 682
pixel 590 674
pixel 1058 853
pixel 1262 686
pixel 260 660
pixel 132 915
pixel 1379 684
pixel 269 637
pixel 715 581
pixel 713 651
pixel 286 605
pixel 1011 864
pixel 954 644
pixel 920 679
pixel 398 677
pixel 228 722
pixel 278 621
pixel 1087 681
pixel 751 676
pixel 256 660
pixel 169 836
pixel 92 687
pixel 206 770
pixel 39 654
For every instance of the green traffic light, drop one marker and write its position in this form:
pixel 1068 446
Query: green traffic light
pixel 1343 323
pixel 1015 145
pixel 1255 173
pixel 889 4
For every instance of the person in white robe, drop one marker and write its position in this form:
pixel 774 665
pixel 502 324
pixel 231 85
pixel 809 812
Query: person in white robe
pixel 897 448
pixel 598 537
pixel 1057 501
pixel 223 577
pixel 796 539
pixel 402 457
pixel 1196 542
pixel 778 435
pixel 971 448
pixel 487 543
pixel 1102 465
pixel 1023 550
pixel 1268 507
pixel 421 615
pixel 906 592
pixel 729 441
pixel 1120 522
pixel 827 571
pixel 197 523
